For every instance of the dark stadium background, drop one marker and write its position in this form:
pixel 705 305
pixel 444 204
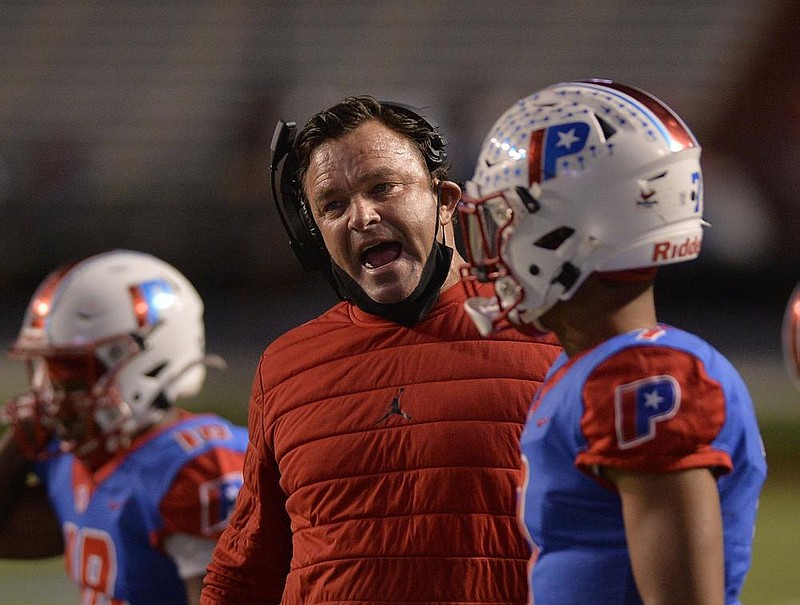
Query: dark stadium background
pixel 147 125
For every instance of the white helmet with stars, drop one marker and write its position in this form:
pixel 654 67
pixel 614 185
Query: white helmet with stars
pixel 578 177
pixel 132 326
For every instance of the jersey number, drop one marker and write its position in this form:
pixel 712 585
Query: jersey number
pixel 91 561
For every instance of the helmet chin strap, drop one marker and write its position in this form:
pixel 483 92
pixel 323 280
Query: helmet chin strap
pixel 409 311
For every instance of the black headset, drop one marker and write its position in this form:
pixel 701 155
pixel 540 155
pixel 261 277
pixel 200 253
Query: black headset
pixel 305 239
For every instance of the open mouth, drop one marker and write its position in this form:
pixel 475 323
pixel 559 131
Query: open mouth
pixel 381 254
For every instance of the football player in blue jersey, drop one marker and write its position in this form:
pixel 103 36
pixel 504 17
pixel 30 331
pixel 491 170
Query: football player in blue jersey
pixel 98 462
pixel 644 458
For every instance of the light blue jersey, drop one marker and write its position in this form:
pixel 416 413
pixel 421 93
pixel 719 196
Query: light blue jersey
pixel 653 400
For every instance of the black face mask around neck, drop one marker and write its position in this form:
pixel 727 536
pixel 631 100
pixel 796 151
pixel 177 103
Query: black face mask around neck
pixel 409 311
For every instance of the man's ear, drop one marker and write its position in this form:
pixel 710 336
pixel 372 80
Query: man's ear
pixel 449 196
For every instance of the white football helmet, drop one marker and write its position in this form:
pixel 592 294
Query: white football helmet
pixel 128 329
pixel 578 177
pixel 791 336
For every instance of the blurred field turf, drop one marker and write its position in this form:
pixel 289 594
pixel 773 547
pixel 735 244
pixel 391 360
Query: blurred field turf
pixel 774 577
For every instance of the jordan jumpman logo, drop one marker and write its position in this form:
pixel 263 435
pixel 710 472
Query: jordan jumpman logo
pixel 394 409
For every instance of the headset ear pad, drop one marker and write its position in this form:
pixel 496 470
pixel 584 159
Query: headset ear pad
pixel 306 240
pixel 316 245
pixel 435 152
pixel 440 153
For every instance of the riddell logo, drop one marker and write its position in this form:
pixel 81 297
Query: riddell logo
pixel 670 251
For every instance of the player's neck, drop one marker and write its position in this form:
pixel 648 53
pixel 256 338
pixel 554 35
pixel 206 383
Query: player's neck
pixel 600 310
pixel 99 456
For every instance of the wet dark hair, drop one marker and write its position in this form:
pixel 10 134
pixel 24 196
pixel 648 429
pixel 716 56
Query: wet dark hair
pixel 350 113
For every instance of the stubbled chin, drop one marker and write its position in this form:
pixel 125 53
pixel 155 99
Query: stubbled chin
pixel 392 282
